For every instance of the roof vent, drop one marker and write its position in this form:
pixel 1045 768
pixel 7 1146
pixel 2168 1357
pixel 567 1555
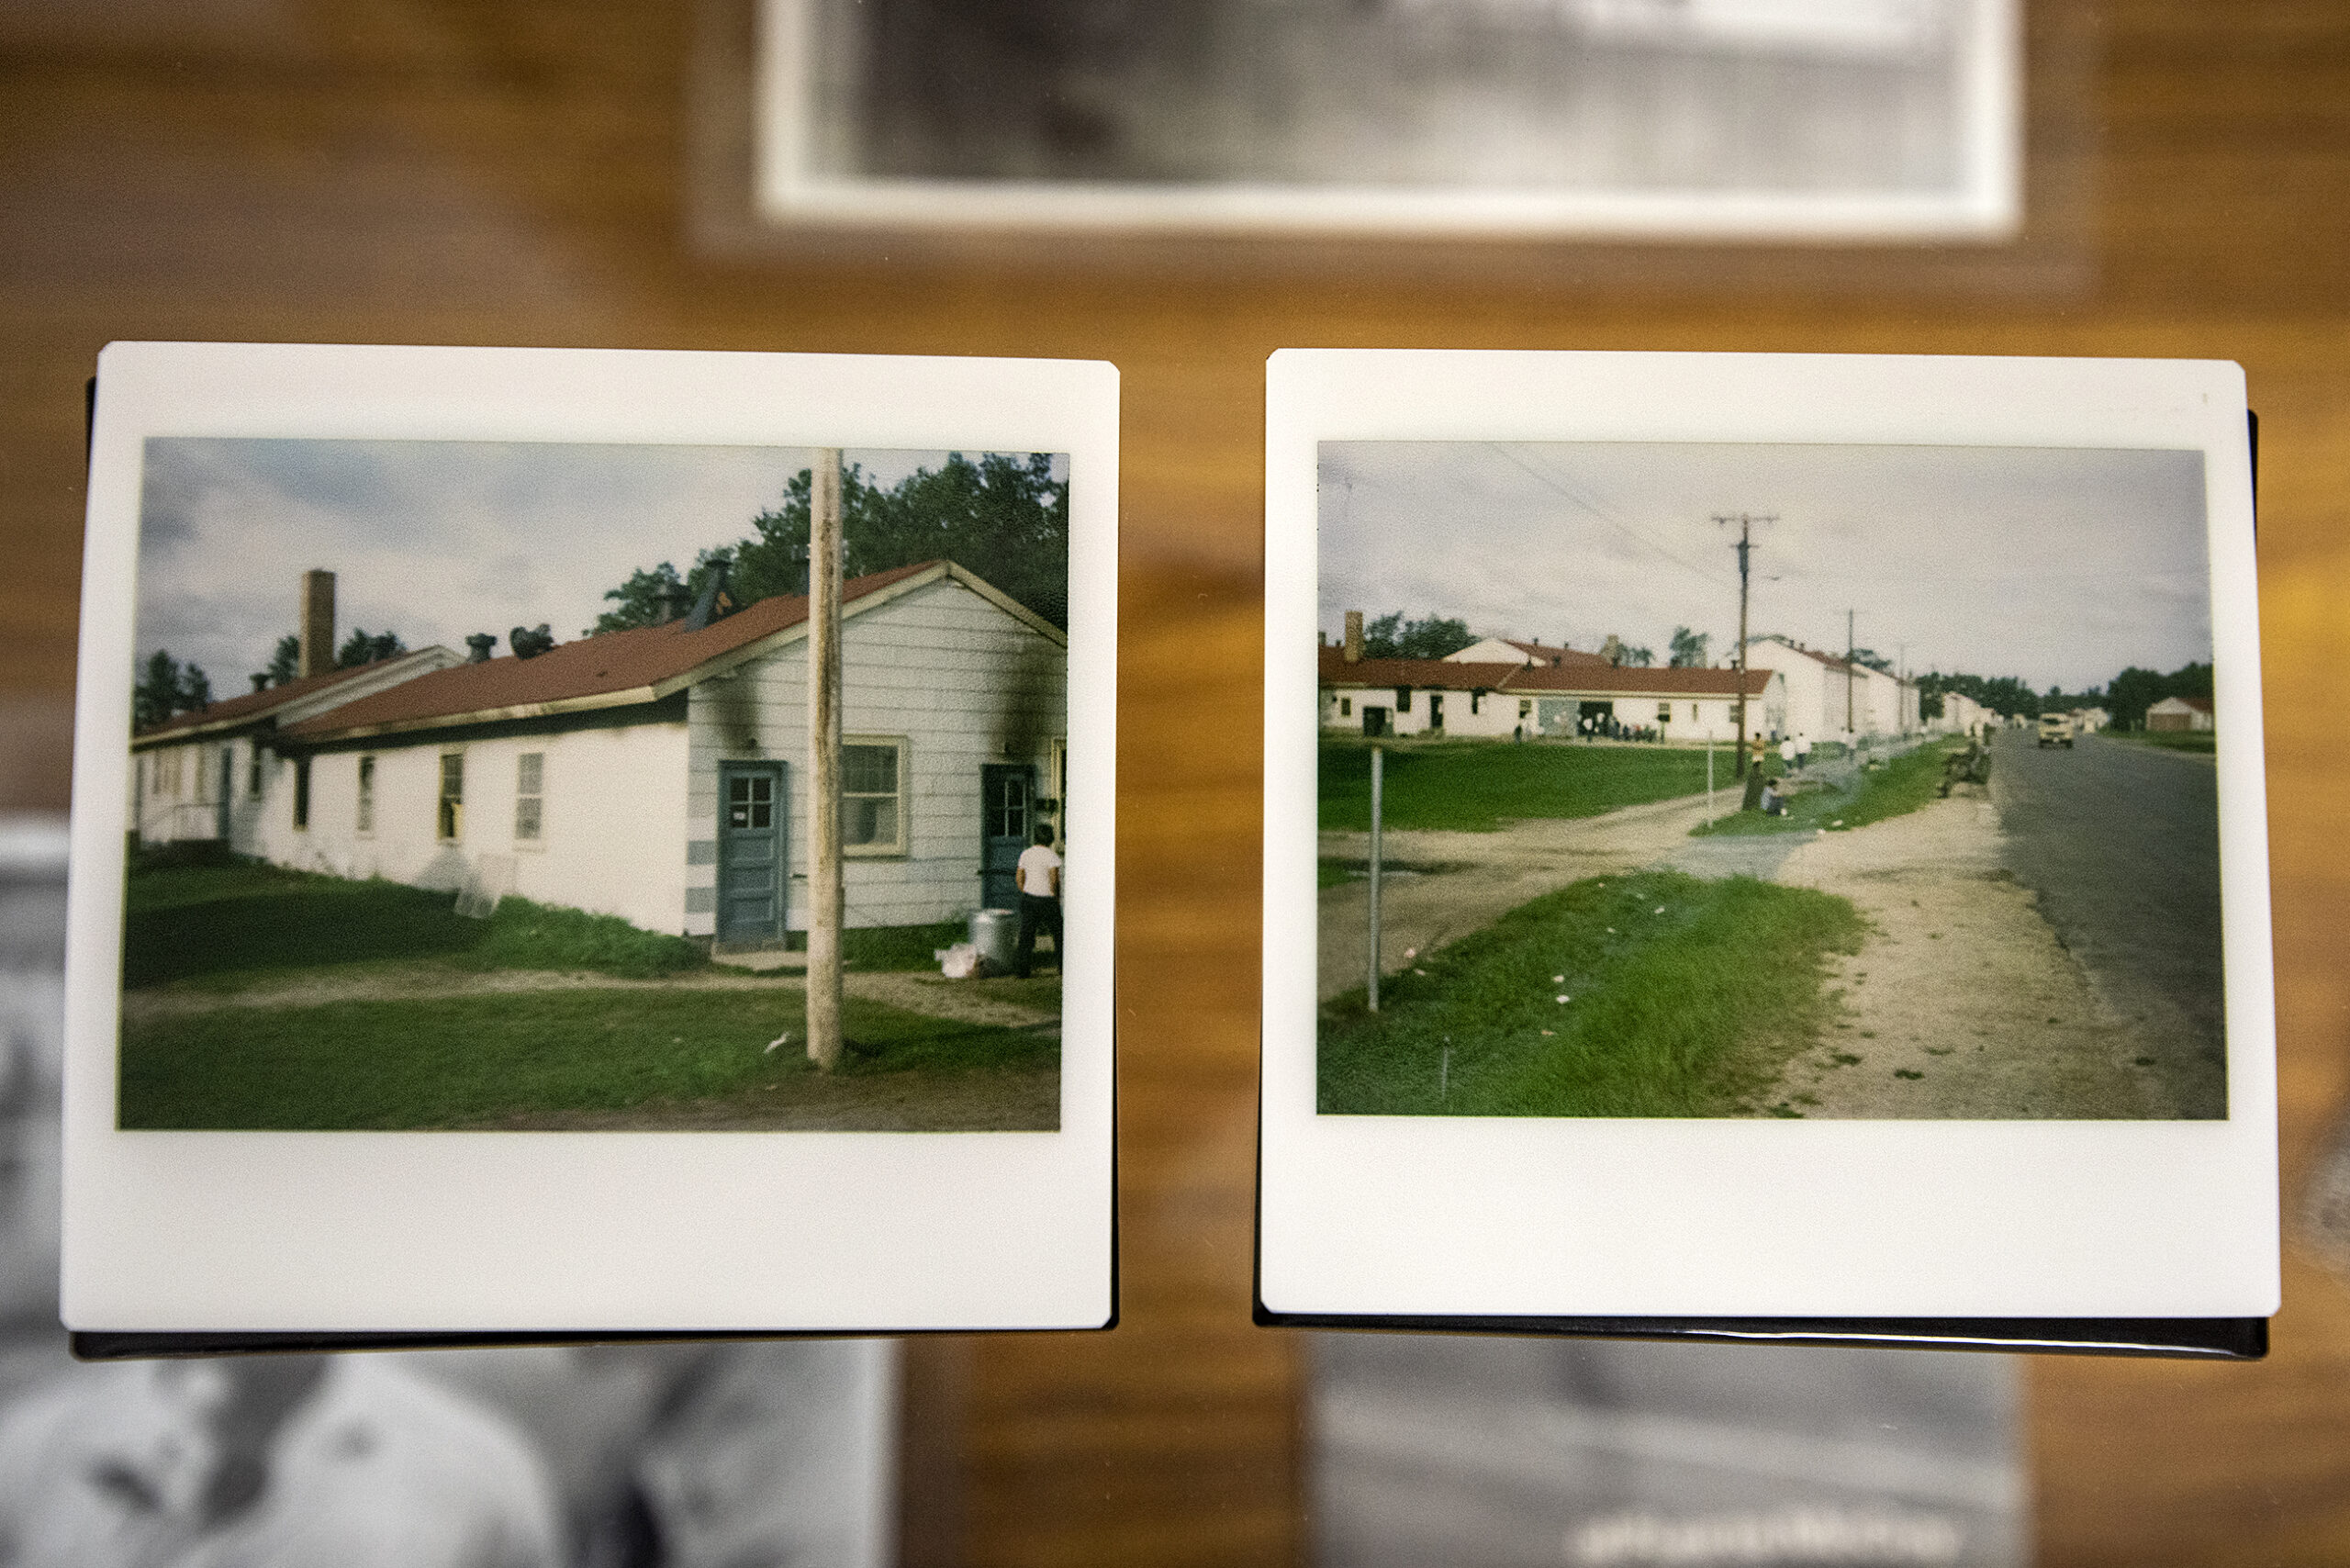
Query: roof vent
pixel 477 647
pixel 529 641
pixel 706 607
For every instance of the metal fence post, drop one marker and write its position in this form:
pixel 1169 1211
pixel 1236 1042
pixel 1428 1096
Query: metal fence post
pixel 1377 757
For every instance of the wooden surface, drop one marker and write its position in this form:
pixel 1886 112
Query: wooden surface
pixel 426 171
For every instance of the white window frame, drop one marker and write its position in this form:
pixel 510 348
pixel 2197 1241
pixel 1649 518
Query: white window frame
pixel 903 845
pixel 537 838
pixel 441 798
pixel 363 816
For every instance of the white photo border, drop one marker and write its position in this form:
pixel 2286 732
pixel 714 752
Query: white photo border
pixel 188 1232
pixel 1986 204
pixel 1454 1217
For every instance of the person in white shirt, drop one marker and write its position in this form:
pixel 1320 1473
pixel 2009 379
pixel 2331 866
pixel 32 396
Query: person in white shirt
pixel 1039 876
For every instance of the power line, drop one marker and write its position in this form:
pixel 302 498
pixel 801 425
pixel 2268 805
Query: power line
pixel 1603 515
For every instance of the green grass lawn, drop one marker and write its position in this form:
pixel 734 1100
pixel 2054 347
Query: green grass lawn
pixel 1478 785
pixel 225 923
pixel 467 1061
pixel 1686 998
pixel 2204 741
pixel 1893 790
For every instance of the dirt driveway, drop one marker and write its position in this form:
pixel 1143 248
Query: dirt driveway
pixel 931 995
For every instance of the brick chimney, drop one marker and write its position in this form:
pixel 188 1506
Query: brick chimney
pixel 318 622
pixel 1354 637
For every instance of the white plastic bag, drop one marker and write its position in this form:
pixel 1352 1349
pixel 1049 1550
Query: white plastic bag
pixel 960 962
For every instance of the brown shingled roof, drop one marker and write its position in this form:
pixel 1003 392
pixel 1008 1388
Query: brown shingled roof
pixel 615 668
pixel 1542 654
pixel 1637 682
pixel 255 705
pixel 1443 675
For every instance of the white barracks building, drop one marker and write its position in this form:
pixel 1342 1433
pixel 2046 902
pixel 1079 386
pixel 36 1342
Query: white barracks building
pixel 658 773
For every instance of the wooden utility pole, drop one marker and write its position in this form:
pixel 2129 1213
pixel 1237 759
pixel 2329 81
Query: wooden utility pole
pixel 1744 546
pixel 1848 651
pixel 824 761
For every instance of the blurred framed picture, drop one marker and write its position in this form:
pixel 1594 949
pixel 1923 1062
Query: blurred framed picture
pixel 1652 119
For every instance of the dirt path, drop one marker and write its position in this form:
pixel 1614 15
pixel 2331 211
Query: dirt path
pixel 931 995
pixel 1484 876
pixel 1962 1004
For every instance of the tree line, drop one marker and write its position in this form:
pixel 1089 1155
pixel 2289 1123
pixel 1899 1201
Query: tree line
pixel 1004 517
pixel 2126 697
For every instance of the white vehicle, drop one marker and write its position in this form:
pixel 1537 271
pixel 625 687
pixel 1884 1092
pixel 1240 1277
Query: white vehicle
pixel 2056 729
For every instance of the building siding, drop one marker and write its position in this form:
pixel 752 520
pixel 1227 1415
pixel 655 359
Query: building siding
pixel 963 683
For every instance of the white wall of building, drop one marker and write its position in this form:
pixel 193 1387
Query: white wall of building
pixel 1468 715
pixel 1498 714
pixel 961 681
pixel 613 818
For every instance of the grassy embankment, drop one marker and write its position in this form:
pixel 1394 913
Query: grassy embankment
pixel 1686 998
pixel 1887 790
pixel 381 1059
pixel 2206 742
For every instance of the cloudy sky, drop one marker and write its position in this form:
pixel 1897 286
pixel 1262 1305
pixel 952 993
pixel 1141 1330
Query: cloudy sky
pixel 2061 566
pixel 432 540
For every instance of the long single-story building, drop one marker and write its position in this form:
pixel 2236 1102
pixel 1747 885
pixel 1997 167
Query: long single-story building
pixel 659 773
pixel 1499 701
pixel 202 776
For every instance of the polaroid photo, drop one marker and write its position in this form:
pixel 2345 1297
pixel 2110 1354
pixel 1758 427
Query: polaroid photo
pixel 1659 119
pixel 449 916
pixel 1766 846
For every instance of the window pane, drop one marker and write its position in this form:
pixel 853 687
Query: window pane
pixel 869 770
pixel 526 817
pixel 738 789
pixel 762 813
pixel 532 763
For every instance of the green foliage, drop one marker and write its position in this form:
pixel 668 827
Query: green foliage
pixel 1005 518
pixel 1390 637
pixel 165 688
pixel 1688 648
pixel 644 601
pixel 225 925
pixel 1475 786
pixel 469 1061
pixel 360 648
pixel 2134 691
pixel 1686 998
pixel 284 661
pixel 2004 695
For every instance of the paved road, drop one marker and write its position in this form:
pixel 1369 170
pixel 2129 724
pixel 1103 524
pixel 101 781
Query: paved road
pixel 2121 843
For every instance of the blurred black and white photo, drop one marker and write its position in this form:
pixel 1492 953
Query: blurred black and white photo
pixel 1848 118
pixel 584 1456
pixel 1484 1452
